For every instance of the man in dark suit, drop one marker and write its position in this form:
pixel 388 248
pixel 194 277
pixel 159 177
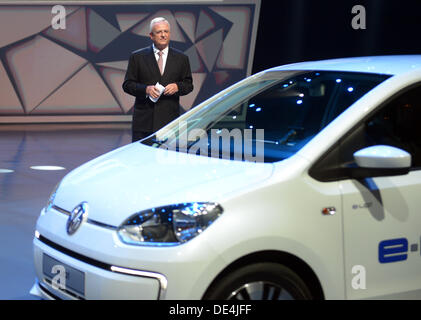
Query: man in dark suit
pixel 161 64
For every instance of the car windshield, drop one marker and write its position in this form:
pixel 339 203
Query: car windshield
pixel 267 117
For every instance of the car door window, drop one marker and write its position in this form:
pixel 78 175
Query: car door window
pixel 399 124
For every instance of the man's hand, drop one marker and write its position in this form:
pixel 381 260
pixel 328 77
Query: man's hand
pixel 170 89
pixel 152 92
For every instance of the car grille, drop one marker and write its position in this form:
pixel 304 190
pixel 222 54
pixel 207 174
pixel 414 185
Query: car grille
pixel 75 255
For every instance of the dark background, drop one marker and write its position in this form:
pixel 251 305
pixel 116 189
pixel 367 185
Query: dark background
pixel 301 30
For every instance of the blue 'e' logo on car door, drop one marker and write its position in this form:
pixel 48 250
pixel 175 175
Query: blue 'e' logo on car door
pixel 393 250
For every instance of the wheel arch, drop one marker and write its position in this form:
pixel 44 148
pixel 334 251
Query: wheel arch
pixel 301 268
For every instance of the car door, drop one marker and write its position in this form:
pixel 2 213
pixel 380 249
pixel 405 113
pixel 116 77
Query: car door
pixel 382 215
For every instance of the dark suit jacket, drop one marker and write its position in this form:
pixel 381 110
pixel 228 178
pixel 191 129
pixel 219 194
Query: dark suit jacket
pixel 142 71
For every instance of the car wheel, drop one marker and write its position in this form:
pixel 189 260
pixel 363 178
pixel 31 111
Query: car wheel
pixel 260 281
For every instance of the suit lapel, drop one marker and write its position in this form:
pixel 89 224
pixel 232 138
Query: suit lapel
pixel 169 62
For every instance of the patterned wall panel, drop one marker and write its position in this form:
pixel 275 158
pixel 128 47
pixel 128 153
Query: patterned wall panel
pixel 79 70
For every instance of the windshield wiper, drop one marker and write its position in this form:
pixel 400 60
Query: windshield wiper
pixel 291 133
pixel 159 142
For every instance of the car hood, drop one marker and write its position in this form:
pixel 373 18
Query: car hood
pixel 137 177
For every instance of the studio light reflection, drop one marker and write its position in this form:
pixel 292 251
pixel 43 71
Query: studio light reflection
pixel 6 171
pixel 47 168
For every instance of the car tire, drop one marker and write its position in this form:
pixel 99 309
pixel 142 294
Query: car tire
pixel 260 281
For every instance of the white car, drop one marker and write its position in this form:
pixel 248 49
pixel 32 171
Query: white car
pixel 299 182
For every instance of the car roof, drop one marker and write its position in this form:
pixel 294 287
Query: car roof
pixel 391 65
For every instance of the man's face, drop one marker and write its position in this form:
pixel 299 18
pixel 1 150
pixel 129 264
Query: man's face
pixel 160 35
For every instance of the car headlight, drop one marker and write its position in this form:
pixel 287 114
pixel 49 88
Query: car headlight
pixel 169 225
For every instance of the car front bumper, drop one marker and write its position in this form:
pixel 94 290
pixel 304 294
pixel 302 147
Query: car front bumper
pixel 101 281
pixel 110 269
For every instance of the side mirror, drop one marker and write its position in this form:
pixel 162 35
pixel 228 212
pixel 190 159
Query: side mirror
pixel 382 160
pixel 381 156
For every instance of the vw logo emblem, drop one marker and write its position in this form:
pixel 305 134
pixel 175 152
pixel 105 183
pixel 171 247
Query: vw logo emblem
pixel 77 216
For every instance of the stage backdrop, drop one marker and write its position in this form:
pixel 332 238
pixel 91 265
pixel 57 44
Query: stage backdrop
pixel 66 61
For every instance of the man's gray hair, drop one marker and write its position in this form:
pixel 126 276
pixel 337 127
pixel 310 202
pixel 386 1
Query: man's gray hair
pixel 157 20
